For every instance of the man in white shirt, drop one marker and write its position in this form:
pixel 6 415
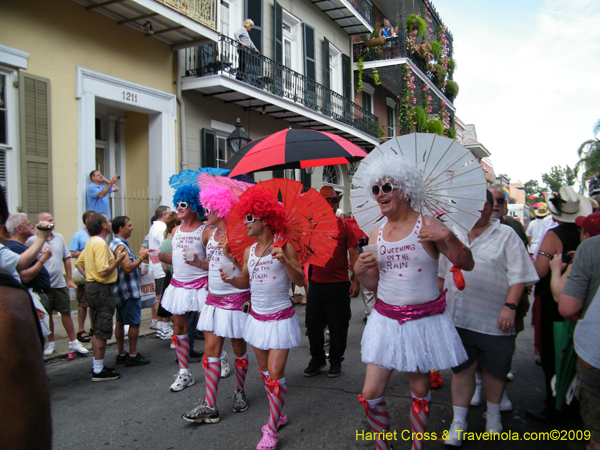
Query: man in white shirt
pixel 535 226
pixel 484 315
pixel 156 236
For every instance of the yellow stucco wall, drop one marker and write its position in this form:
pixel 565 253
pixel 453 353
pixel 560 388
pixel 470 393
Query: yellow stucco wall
pixel 60 35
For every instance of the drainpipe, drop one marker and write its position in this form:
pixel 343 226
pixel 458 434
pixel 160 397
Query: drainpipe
pixel 182 126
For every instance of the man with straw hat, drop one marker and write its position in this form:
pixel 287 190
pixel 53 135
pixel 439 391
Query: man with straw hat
pixel 533 230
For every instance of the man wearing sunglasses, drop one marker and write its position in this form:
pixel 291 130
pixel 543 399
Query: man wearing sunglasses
pixel 500 213
pixel 328 298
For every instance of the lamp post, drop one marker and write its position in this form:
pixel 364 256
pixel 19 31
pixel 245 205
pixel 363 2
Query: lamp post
pixel 352 168
pixel 237 139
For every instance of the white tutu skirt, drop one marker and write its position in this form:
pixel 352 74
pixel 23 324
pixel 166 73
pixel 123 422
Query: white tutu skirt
pixel 225 323
pixel 278 334
pixel 429 343
pixel 178 301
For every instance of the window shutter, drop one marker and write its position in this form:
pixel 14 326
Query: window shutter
pixel 3 178
pixel 310 71
pixel 209 150
pixel 278 50
pixel 36 154
pixel 306 180
pixel 326 74
pixel 347 85
pixel 254 11
pixel 279 173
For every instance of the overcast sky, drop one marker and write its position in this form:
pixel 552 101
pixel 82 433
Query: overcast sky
pixel 529 78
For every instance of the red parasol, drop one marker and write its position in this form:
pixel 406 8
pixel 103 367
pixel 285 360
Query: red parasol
pixel 237 187
pixel 294 149
pixel 311 225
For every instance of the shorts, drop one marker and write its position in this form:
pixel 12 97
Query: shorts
pixel 589 398
pixel 58 300
pixel 81 298
pixel 101 301
pixel 130 312
pixel 493 352
pixel 160 285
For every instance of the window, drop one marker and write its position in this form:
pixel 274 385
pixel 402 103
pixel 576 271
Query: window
pixel 3 112
pixel 331 175
pixel 391 119
pixel 223 151
pixel 367 97
pixel 224 16
pixel 335 69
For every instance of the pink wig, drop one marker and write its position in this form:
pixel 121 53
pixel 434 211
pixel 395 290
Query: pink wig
pixel 264 205
pixel 219 199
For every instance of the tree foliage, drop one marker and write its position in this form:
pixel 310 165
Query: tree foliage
pixel 589 155
pixel 532 187
pixel 558 177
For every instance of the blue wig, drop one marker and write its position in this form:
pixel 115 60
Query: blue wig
pixel 191 195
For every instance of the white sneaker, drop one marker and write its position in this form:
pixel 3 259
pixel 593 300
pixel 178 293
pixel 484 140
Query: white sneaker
pixel 168 332
pixel 455 433
pixel 165 335
pixel 505 403
pixel 225 370
pixel 77 347
pixel 183 380
pixel 510 376
pixel 493 423
pixel 153 324
pixel 50 349
pixel 477 397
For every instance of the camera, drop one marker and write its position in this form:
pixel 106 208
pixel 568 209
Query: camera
pixel 51 227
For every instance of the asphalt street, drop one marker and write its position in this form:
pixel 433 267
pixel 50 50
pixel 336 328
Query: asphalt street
pixel 139 412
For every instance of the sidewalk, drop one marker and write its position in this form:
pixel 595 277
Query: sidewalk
pixel 62 340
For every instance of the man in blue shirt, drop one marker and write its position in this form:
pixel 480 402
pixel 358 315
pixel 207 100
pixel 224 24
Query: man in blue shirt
pixel 97 195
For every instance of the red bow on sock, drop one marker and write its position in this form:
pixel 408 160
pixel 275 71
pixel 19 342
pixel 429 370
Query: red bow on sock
pixel 419 404
pixel 363 401
pixel 174 340
pixel 204 362
pixel 273 385
pixel 241 363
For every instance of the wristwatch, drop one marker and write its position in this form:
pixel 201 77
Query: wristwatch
pixel 511 306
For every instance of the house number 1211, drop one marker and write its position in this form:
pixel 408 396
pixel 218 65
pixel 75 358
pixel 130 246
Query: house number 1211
pixel 130 96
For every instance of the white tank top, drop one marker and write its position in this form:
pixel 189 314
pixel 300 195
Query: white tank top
pixel 407 274
pixel 215 259
pixel 182 240
pixel 269 283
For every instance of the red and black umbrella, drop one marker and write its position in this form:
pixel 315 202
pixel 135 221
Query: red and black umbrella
pixel 294 149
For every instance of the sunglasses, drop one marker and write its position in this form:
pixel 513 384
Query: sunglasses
pixel 250 219
pixel 182 205
pixel 500 200
pixel 386 188
pixel 207 211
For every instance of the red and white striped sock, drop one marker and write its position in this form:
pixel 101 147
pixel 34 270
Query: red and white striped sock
pixel 278 393
pixel 212 376
pixel 379 419
pixel 419 418
pixel 241 369
pixel 182 348
pixel 264 376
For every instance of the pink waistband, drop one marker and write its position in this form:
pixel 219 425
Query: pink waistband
pixel 232 302
pixel 412 312
pixel 196 284
pixel 279 315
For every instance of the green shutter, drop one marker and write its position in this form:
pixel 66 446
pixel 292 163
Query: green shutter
pixel 209 148
pixel 254 11
pixel 278 49
pixel 36 154
pixel 347 85
pixel 310 71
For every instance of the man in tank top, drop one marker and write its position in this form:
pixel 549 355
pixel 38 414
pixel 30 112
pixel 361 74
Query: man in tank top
pixel 409 329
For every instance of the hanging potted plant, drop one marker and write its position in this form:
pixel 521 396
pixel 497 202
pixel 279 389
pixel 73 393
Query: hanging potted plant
pixel 415 22
pixel 375 39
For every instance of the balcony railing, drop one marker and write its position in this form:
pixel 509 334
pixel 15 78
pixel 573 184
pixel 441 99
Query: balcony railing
pixel 201 11
pixel 364 8
pixel 227 58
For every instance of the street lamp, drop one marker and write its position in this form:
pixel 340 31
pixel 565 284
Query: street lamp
pixel 237 139
pixel 352 168
pixel 309 170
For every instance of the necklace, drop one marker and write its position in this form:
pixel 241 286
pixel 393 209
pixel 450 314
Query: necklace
pixel 258 262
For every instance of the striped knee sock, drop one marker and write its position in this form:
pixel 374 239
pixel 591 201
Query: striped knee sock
pixel 379 419
pixel 264 376
pixel 212 376
pixel 419 418
pixel 241 369
pixel 278 393
pixel 182 348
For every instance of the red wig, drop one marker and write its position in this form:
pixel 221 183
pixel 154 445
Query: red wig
pixel 262 204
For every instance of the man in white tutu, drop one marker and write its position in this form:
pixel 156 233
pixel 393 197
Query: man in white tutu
pixel 484 314
pixel 187 291
pixel 272 326
pixel 409 329
pixel 221 316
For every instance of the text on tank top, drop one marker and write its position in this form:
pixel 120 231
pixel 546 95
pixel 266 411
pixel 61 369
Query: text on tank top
pixel 407 274
pixel 216 258
pixel 182 240
pixel 269 283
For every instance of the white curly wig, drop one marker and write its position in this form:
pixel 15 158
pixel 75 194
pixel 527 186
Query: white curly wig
pixel 406 176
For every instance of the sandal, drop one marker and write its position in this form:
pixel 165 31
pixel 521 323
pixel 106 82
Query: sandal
pixel 82 336
pixel 282 421
pixel 268 442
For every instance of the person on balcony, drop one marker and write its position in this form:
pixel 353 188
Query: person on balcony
pixel 246 45
pixel 387 30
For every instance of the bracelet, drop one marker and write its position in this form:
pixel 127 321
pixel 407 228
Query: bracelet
pixel 545 254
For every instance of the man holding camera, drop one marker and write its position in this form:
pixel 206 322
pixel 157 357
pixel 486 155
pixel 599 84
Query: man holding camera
pixel 97 195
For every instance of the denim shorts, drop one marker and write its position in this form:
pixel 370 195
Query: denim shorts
pixel 130 312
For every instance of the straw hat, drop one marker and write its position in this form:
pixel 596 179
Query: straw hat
pixel 542 211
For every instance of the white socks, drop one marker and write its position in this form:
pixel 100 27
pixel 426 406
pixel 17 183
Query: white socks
pixel 460 414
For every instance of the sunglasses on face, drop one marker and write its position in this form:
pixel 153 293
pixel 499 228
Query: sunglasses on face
pixel 500 200
pixel 250 219
pixel 182 205
pixel 207 211
pixel 386 188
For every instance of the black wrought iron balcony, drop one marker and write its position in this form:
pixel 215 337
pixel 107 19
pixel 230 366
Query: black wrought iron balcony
pixel 227 58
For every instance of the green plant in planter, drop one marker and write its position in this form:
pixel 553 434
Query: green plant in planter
pixel 435 126
pixel 436 49
pixel 439 75
pixel 450 133
pixel 451 89
pixel 415 22
pixel 421 118
pixel 451 65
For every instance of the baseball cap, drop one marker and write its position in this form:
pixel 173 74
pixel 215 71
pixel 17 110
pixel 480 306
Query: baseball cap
pixel 590 224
